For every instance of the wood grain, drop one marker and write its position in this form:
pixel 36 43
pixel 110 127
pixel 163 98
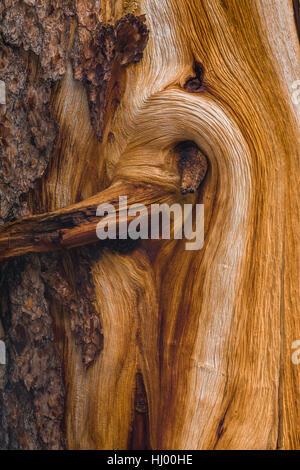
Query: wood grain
pixel 74 225
pixel 209 332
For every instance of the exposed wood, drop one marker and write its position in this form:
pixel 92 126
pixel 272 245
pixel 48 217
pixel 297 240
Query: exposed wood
pixel 74 225
pixel 197 345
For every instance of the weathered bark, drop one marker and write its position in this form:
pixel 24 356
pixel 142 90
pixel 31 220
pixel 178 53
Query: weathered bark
pixel 142 344
pixel 36 42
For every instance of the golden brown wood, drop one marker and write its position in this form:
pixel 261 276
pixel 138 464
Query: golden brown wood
pixel 74 225
pixel 209 332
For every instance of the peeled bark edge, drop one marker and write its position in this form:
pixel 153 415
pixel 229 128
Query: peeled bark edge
pixel 100 52
pixel 34 42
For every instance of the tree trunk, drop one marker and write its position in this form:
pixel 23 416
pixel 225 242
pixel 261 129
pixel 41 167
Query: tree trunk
pixel 141 344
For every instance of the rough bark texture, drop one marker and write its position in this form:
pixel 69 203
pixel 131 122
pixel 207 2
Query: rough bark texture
pixel 296 4
pixel 139 435
pixel 196 84
pixel 192 166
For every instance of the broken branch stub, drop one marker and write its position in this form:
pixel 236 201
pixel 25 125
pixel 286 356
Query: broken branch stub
pixel 192 166
pixel 74 225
